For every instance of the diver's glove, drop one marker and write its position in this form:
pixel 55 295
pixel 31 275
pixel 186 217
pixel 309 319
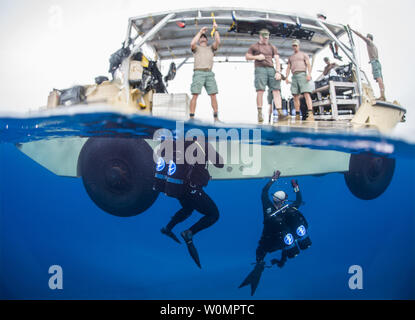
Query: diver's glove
pixel 276 175
pixel 294 183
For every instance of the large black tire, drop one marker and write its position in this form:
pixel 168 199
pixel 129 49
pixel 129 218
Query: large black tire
pixel 369 175
pixel 117 174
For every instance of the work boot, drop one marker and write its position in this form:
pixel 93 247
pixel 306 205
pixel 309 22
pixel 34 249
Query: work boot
pixel 260 117
pixel 298 117
pixel 216 118
pixel 217 121
pixel 310 116
pixel 281 116
pixel 382 96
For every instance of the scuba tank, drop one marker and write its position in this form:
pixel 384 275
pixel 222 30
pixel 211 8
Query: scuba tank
pixel 299 228
pixel 199 176
pixel 160 175
pixel 172 177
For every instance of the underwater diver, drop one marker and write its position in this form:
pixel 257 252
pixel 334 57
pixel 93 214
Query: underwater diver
pixel 285 228
pixel 180 179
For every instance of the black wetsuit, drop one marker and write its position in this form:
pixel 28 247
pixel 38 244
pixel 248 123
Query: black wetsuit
pixel 278 223
pixel 284 229
pixel 192 196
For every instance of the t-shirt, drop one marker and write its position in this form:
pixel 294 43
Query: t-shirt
pixel 268 50
pixel 372 50
pixel 203 57
pixel 328 68
pixel 297 62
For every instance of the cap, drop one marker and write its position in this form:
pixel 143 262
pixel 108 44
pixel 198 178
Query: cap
pixel 279 196
pixel 203 36
pixel 326 59
pixel 370 36
pixel 296 42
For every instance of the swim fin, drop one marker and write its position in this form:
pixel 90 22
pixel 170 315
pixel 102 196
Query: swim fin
pixel 188 238
pixel 254 277
pixel 170 234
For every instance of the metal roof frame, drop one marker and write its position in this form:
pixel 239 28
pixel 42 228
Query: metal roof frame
pixel 173 42
pixel 161 32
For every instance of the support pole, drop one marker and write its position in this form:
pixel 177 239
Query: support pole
pixel 334 38
pixel 348 54
pixel 127 37
pixel 358 72
pixel 182 63
pixel 147 37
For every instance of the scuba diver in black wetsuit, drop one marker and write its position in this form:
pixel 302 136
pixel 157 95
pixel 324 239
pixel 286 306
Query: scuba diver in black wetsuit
pixel 179 179
pixel 285 228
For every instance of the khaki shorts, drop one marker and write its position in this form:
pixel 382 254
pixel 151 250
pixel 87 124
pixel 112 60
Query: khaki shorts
pixel 265 76
pixel 300 85
pixel 204 79
pixel 376 69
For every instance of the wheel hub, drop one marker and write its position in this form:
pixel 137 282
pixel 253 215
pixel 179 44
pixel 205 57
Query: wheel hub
pixel 117 176
pixel 375 168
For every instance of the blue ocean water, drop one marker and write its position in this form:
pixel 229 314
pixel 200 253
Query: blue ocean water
pixel 50 220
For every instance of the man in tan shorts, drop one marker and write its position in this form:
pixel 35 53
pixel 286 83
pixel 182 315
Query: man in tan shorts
pixel 203 76
pixel 263 54
pixel 299 65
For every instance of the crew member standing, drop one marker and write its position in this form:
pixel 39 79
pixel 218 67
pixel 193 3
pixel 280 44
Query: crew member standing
pixel 203 75
pixel 263 54
pixel 299 65
pixel 372 50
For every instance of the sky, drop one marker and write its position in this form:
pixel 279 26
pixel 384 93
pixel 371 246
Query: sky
pixel 59 43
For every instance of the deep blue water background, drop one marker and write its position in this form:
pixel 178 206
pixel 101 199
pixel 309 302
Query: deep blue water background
pixel 49 220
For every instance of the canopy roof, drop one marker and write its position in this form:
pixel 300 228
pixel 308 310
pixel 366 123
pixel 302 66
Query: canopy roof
pixel 172 41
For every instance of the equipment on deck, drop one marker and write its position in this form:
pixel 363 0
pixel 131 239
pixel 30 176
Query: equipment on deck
pixel 72 96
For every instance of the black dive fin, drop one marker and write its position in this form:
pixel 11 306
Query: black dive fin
pixel 193 253
pixel 187 236
pixel 170 234
pixel 254 277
